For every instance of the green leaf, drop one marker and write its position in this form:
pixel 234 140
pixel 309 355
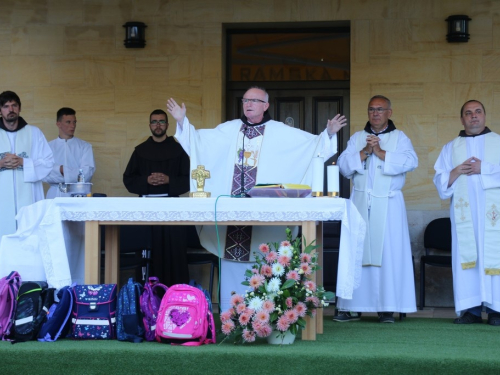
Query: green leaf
pixel 247 283
pixel 301 322
pixel 288 284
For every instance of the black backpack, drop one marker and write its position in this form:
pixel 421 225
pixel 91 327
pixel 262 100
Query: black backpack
pixel 33 302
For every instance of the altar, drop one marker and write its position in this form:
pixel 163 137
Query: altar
pixel 54 215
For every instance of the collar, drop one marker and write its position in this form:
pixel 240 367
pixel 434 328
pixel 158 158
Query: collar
pixel 20 124
pixel 390 127
pixel 265 119
pixel 485 131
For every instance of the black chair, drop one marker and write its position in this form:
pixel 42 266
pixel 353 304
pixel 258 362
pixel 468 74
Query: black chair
pixel 197 255
pixel 437 236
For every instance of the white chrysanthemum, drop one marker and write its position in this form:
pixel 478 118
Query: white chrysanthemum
pixel 255 304
pixel 273 285
pixel 286 251
pixel 278 269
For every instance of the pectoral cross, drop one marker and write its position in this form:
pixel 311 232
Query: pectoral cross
pixel 200 175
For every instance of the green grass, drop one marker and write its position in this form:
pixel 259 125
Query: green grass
pixel 414 346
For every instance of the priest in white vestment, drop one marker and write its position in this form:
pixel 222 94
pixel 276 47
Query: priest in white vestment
pixel 239 154
pixel 376 160
pixel 25 159
pixel 468 172
pixel 71 154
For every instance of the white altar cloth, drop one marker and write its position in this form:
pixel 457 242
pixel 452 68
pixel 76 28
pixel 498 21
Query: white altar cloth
pixel 61 248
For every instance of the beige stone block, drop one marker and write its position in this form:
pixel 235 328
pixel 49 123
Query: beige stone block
pixel 64 12
pixel 97 12
pixel 212 63
pixel 387 36
pixel 176 39
pixel 360 44
pixel 284 10
pixel 152 70
pixel 312 10
pixel 27 12
pixel 67 71
pixel 429 66
pixel 48 100
pixel 405 98
pixel 110 71
pixel 496 32
pixel 92 100
pixel 439 98
pixel 429 34
pixel 421 129
pixel 448 128
pixel 21 71
pixel 132 100
pixel 466 67
pixel 89 40
pixel 5 41
pixel 491 66
pixel 186 68
pixel 477 91
pixel 410 9
pixel 209 11
pixel 362 10
pixel 212 35
pixel 250 11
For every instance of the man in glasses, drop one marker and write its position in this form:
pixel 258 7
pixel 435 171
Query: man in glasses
pixel 241 153
pixel 71 154
pixel 159 166
pixel 376 160
pixel 468 172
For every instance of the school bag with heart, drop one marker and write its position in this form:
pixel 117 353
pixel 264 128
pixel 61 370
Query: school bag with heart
pixel 184 317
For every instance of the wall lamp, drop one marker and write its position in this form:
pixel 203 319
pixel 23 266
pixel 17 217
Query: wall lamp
pixel 135 35
pixel 458 29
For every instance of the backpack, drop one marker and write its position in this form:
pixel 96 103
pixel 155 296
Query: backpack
pixel 33 302
pixel 9 287
pixel 129 324
pixel 150 304
pixel 208 297
pixel 94 312
pixel 184 317
pixel 58 323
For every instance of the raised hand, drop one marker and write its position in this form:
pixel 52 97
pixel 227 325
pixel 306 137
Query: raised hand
pixel 177 112
pixel 335 124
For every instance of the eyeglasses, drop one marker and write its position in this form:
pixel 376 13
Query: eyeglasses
pixel 245 100
pixel 378 110
pixel 156 122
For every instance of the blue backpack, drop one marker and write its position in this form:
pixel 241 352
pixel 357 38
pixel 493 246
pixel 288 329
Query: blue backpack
pixel 58 323
pixel 208 297
pixel 129 322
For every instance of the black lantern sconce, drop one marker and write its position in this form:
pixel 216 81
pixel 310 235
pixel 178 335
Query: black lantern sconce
pixel 135 35
pixel 458 29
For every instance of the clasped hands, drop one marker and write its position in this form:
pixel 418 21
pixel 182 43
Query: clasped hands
pixel 11 161
pixel 373 145
pixel 469 167
pixel 158 179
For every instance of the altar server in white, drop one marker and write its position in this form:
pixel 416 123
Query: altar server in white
pixel 468 172
pixel 71 154
pixel 25 159
pixel 377 160
pixel 239 154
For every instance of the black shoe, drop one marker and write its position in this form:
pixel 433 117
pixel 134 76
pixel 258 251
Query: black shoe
pixel 346 316
pixel 469 318
pixel 494 319
pixel 386 317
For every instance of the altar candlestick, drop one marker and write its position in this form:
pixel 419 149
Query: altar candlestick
pixel 333 180
pixel 317 177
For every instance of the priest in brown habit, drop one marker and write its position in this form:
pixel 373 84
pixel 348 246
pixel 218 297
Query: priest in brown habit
pixel 159 166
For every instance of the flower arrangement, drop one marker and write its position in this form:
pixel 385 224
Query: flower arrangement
pixel 280 292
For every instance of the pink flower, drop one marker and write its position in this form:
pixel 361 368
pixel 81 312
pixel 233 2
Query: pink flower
pixel 313 312
pixel 236 299
pixel 305 258
pixel 255 270
pixel 248 336
pixel 240 309
pixel 306 268
pixel 266 270
pixel 264 330
pixel 301 309
pixel 264 248
pixel 268 306
pixel 227 327
pixel 291 315
pixel 283 323
pixel 285 243
pixel 289 302
pixel 226 315
pixel 311 285
pixel 271 257
pixel 256 281
pixel 284 260
pixel 244 319
pixel 293 275
pixel 314 300
pixel 262 316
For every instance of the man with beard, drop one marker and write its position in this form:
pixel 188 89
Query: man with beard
pixel 25 159
pixel 71 154
pixel 277 153
pixel 159 166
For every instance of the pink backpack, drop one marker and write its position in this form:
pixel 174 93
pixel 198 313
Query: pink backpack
pixel 9 287
pixel 150 302
pixel 184 317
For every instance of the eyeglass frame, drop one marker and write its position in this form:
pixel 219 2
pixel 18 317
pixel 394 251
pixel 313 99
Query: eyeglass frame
pixel 158 122
pixel 246 100
pixel 379 110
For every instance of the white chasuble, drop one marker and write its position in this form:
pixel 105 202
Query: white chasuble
pixel 374 199
pixel 467 243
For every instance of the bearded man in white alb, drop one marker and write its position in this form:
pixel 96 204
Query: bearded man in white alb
pixel 278 153
pixel 468 172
